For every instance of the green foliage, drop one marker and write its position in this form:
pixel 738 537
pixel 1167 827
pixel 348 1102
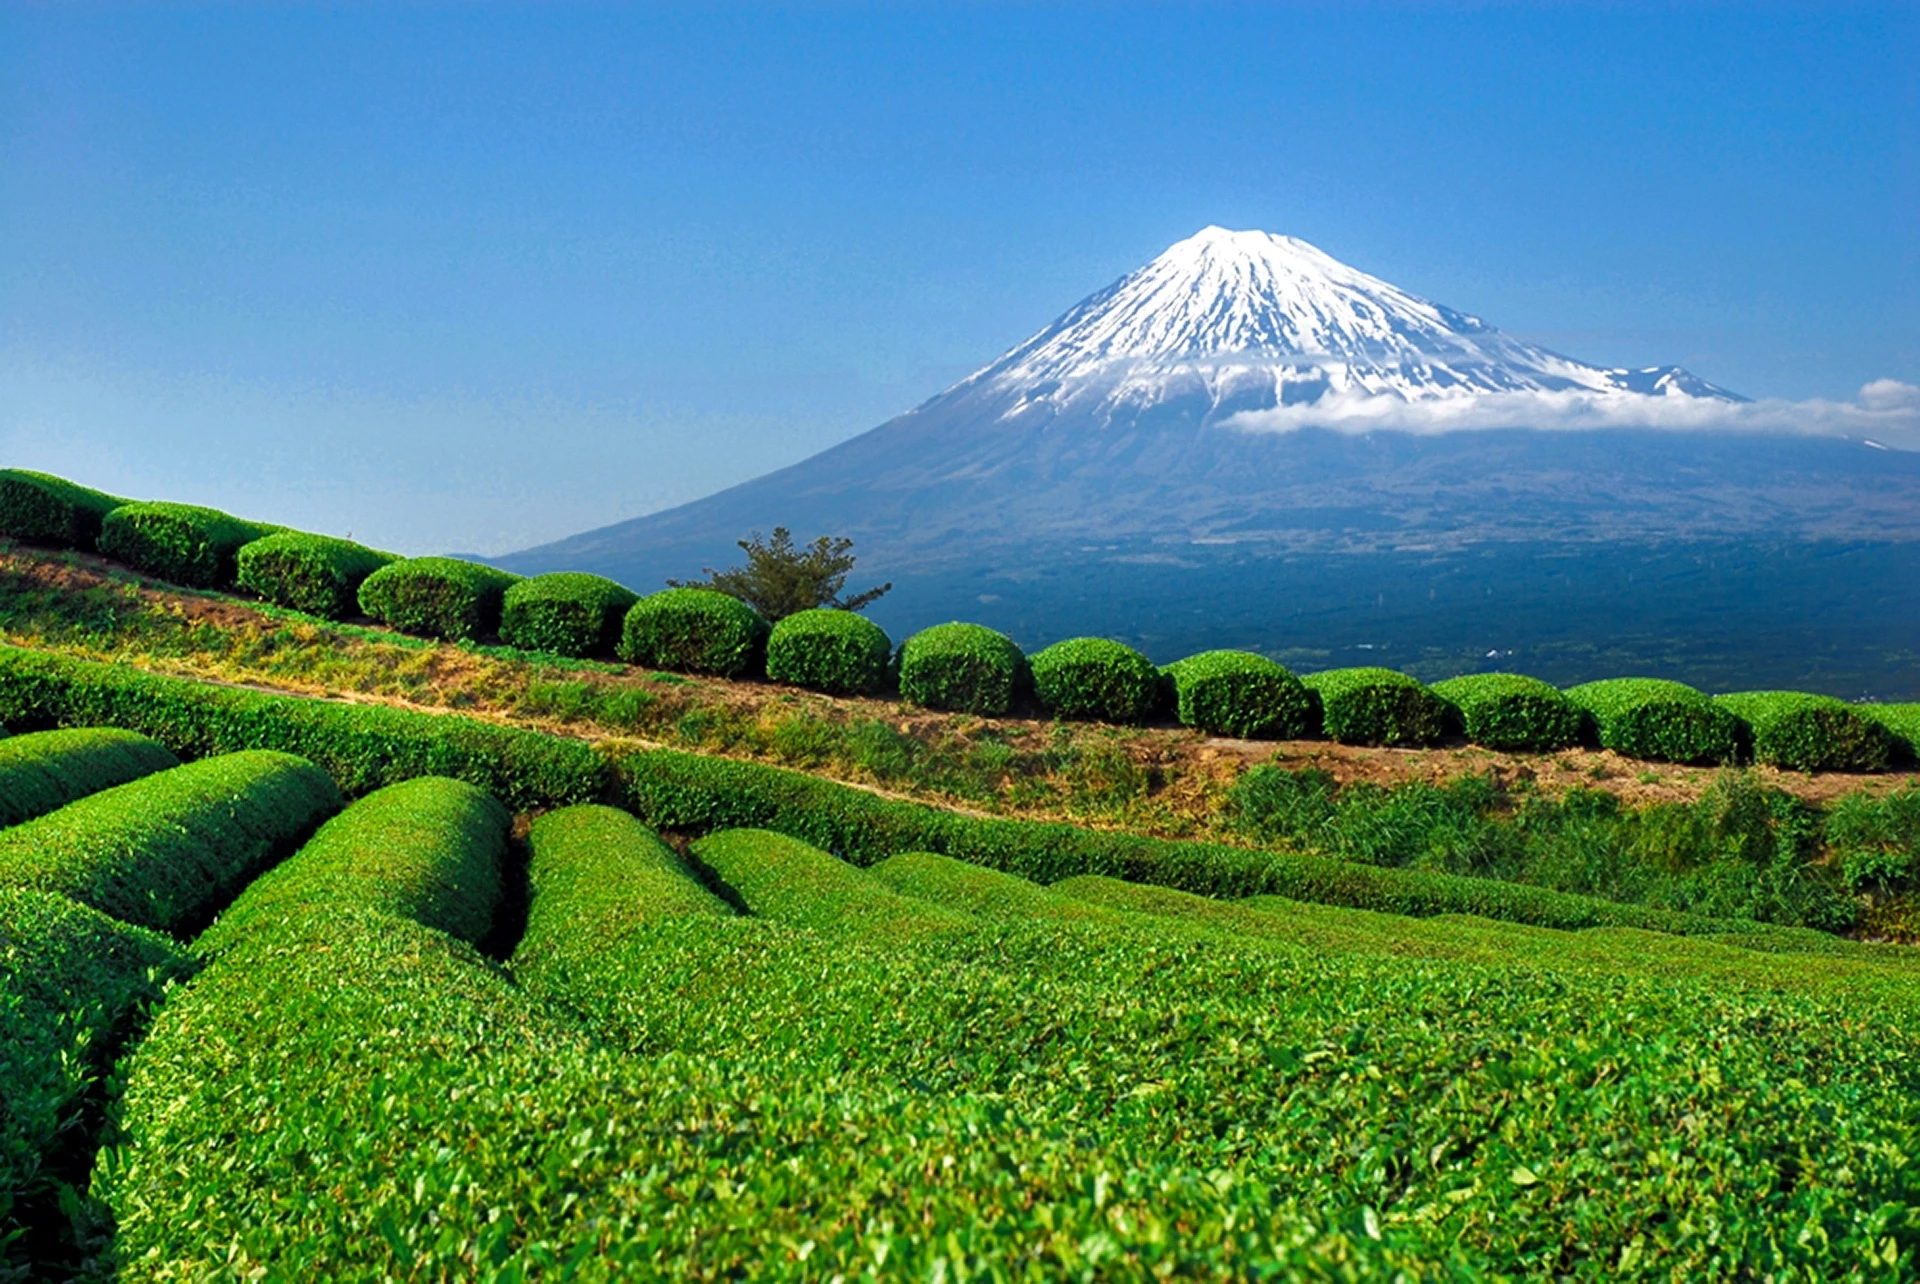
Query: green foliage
pixel 43 509
pixel 1876 841
pixel 1657 720
pixel 987 893
pixel 1096 678
pixel 780 878
pixel 437 597
pixel 566 613
pixel 1373 706
pixel 179 543
pixel 46 770
pixel 1510 712
pixel 966 668
pixel 73 983
pixel 361 746
pixel 313 573
pixel 1237 693
pixel 168 850
pixel 830 650
pixel 695 630
pixel 1902 722
pixel 1809 732
pixel 780 580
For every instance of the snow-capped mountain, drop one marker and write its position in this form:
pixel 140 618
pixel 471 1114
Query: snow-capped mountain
pixel 1262 320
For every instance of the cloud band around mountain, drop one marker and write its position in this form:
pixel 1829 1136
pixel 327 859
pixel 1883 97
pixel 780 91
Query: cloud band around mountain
pixel 1885 411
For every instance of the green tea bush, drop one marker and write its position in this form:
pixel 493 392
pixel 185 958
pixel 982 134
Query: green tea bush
pixel 313 573
pixel 691 630
pixel 966 668
pixel 179 543
pixel 46 770
pixel 1809 732
pixel 780 878
pixel 43 509
pixel 363 747
pixel 603 864
pixel 437 597
pixel 839 652
pixel 1096 678
pixel 1512 713
pixel 1237 693
pixel 987 893
pixel 73 983
pixel 168 850
pixel 1373 706
pixel 1902 722
pixel 565 613
pixel 1657 720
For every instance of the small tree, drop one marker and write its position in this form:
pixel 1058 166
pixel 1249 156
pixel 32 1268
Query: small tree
pixel 780 580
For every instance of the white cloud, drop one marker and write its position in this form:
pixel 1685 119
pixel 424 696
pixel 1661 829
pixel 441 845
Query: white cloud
pixel 1886 411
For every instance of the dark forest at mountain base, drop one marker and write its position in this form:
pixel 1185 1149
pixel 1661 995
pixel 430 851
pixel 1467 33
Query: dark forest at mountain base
pixel 1837 618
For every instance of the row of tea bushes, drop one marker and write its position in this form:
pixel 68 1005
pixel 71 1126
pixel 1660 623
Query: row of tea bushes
pixel 43 771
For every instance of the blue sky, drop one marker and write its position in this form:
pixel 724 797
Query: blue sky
pixel 469 277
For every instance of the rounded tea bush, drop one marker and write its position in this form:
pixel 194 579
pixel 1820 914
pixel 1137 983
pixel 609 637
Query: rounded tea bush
pixel 834 651
pixel 1902 722
pixel 1657 720
pixel 1511 712
pixel 179 543
pixel 43 509
pixel 1810 732
pixel 1373 706
pixel 565 613
pixel 437 597
pixel 313 573
pixel 694 630
pixel 965 668
pixel 1095 678
pixel 1240 694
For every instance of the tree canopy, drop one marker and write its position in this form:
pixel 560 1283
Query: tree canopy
pixel 781 579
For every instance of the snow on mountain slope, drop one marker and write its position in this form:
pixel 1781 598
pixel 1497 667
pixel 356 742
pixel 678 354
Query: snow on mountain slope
pixel 1262 320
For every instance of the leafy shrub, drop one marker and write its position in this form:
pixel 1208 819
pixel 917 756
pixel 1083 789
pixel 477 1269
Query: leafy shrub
pixel 987 893
pixel 179 543
pixel 1510 712
pixel 46 770
pixel 598 859
pixel 1902 722
pixel 1237 693
pixel 830 650
pixel 780 878
pixel 565 613
pixel 966 668
pixel 692 630
pixel 72 984
pixel 1658 720
pixel 1373 706
pixel 313 573
pixel 437 597
pixel 43 509
pixel 1096 678
pixel 1809 732
pixel 361 746
pixel 1876 841
pixel 168 850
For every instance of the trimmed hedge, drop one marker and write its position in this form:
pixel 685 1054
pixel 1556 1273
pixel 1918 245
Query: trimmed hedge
pixel 605 865
pixel 965 668
pixel 1374 706
pixel 361 746
pixel 43 509
pixel 1510 712
pixel 1240 694
pixel 313 573
pixel 565 613
pixel 694 630
pixel 1810 732
pixel 167 851
pixel 988 893
pixel 437 597
pixel 839 652
pixel 1657 720
pixel 1096 678
pixel 179 543
pixel 684 792
pixel 428 849
pixel 72 984
pixel 783 879
pixel 45 771
pixel 1902 722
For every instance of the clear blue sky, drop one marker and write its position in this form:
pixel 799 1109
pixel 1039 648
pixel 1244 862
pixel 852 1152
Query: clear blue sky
pixel 469 277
